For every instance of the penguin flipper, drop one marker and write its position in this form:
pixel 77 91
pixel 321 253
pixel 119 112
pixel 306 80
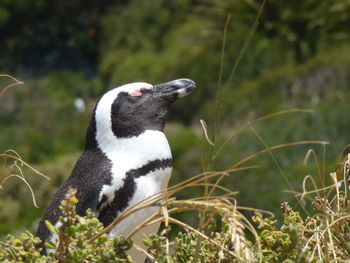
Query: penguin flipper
pixel 90 201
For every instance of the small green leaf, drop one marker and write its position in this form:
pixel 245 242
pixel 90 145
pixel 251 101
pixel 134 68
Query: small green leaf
pixel 49 245
pixel 51 227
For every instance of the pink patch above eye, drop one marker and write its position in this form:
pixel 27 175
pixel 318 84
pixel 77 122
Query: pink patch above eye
pixel 136 93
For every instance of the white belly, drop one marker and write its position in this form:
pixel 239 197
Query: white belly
pixel 146 186
pixel 133 153
pixel 136 255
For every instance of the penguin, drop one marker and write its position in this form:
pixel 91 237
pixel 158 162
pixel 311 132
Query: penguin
pixel 126 158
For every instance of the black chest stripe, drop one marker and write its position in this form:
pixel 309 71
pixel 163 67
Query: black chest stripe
pixel 120 201
pixel 124 194
pixel 150 167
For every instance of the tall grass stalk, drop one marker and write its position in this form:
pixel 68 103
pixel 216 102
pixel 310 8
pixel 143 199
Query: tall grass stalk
pixel 12 161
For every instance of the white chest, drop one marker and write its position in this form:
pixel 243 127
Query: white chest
pixel 133 153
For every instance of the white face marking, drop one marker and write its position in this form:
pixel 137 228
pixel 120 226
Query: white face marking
pixel 104 133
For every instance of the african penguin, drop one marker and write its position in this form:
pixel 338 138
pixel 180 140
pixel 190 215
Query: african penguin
pixel 126 158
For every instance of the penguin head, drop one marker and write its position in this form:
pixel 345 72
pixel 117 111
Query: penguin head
pixel 131 109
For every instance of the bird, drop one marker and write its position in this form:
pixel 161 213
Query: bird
pixel 126 159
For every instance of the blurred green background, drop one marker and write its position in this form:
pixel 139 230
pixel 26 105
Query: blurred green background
pixel 297 56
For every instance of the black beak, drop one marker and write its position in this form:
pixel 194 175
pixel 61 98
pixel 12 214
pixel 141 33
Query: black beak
pixel 175 89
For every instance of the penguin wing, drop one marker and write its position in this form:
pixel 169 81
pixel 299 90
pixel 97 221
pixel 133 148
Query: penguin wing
pixel 90 201
pixel 91 172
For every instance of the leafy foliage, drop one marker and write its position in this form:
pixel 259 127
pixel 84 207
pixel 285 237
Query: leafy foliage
pixel 21 249
pixel 302 28
pixel 322 237
pixel 72 245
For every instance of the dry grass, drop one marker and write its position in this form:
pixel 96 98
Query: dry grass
pixel 12 161
pixel 330 239
pixel 324 235
pixel 216 201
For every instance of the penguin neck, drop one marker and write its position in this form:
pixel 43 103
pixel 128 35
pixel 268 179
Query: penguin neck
pixel 90 138
pixel 149 145
pixel 139 149
pixel 127 153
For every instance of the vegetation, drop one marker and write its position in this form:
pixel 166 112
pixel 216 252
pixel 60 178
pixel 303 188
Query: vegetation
pixel 72 246
pixel 272 78
pixel 221 235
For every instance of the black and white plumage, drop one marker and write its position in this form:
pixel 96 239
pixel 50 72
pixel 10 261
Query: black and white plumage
pixel 126 158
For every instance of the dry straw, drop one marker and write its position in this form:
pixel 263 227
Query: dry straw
pixel 12 161
pixel 217 200
pixel 324 234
